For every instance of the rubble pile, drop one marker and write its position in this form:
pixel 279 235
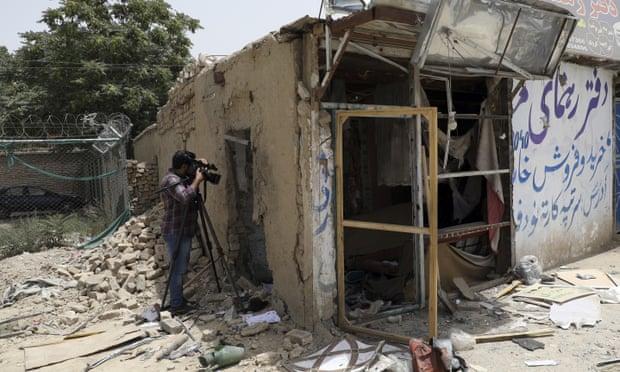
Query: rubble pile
pixel 143 182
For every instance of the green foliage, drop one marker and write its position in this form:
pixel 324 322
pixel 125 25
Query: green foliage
pixel 101 56
pixel 33 234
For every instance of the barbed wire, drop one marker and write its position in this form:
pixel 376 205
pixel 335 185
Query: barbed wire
pixel 69 126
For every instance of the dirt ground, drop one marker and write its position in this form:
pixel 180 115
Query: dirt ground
pixel 574 349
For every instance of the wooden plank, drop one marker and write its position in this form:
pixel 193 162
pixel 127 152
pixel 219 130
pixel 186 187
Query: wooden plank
pixel 509 336
pixel 600 281
pixel 464 288
pixel 554 293
pixel 511 287
pixel 37 357
pixel 12 360
pixel 385 227
pixel 337 58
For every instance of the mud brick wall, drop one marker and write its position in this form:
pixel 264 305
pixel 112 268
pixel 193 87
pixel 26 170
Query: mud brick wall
pixel 143 181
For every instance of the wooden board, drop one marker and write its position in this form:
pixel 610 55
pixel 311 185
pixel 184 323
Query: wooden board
pixel 601 279
pixel 37 357
pixel 464 288
pixel 553 293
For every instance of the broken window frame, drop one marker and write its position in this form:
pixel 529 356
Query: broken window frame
pixel 505 67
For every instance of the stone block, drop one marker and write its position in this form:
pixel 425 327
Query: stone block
pixel 140 283
pixel 69 317
pixel 299 337
pixel 254 329
pixel 154 274
pixel 171 326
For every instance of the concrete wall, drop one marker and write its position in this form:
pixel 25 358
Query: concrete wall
pixel 254 89
pixel 563 165
pixel 146 145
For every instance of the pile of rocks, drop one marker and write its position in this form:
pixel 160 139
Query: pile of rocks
pixel 143 183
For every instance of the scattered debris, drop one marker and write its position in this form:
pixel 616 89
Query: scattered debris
pixel 177 342
pixel 37 357
pixel 255 329
pixel 46 287
pixel 464 288
pixel 528 343
pixel 529 270
pixel 187 348
pixel 465 341
pixel 266 317
pixel 587 278
pixel 511 287
pixel 608 362
pixel 541 363
pixel 582 311
pixel 610 296
pixel 345 353
pixel 117 352
pixel 299 337
pixel 553 293
pixel 171 326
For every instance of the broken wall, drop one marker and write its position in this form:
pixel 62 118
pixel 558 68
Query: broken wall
pixel 253 90
pixel 563 165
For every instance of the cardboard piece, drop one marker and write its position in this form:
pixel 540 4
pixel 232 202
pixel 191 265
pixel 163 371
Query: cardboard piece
pixel 600 279
pixel 37 357
pixel 553 293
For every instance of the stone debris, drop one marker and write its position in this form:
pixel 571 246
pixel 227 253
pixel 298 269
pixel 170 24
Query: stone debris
pixel 299 337
pixel 255 329
pixel 171 326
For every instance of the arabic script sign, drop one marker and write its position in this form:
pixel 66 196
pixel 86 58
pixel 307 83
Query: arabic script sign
pixel 563 145
pixel 598 30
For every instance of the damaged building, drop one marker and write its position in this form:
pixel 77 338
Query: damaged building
pixel 358 150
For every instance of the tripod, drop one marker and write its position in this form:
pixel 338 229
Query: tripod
pixel 205 229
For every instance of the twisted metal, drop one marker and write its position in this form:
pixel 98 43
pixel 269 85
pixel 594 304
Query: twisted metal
pixel 94 125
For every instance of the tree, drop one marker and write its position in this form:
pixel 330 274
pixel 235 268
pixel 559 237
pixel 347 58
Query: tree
pixel 16 98
pixel 105 56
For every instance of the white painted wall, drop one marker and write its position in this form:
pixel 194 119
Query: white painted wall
pixel 563 165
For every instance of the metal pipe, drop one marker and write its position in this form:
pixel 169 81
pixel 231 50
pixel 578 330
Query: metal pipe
pixel 328 47
pixel 58 141
pixel 385 314
pixel 341 50
pixel 378 56
pixel 385 227
pixel 419 200
pixel 472 173
pixel 354 106
pixel 512 30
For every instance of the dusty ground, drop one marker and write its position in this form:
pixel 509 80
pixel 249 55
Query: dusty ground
pixel 574 349
pixel 46 327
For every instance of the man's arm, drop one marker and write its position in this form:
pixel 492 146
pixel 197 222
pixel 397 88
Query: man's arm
pixel 185 194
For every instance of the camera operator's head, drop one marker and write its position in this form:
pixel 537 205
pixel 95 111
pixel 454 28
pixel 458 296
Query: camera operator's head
pixel 182 162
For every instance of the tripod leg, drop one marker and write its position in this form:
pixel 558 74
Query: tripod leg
pixel 220 251
pixel 209 248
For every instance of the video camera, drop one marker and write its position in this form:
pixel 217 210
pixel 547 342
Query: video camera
pixel 208 170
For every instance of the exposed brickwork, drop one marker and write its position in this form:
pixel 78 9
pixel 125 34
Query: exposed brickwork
pixel 143 182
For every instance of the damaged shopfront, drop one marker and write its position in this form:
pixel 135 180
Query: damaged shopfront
pixel 389 153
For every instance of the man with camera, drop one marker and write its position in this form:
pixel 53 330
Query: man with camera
pixel 180 197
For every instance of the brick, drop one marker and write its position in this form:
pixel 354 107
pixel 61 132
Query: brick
pixel 254 329
pixel 128 303
pixel 299 337
pixel 154 274
pixel 171 326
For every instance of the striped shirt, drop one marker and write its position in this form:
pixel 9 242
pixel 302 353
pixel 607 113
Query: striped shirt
pixel 175 200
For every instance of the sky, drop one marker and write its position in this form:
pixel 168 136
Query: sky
pixel 228 25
